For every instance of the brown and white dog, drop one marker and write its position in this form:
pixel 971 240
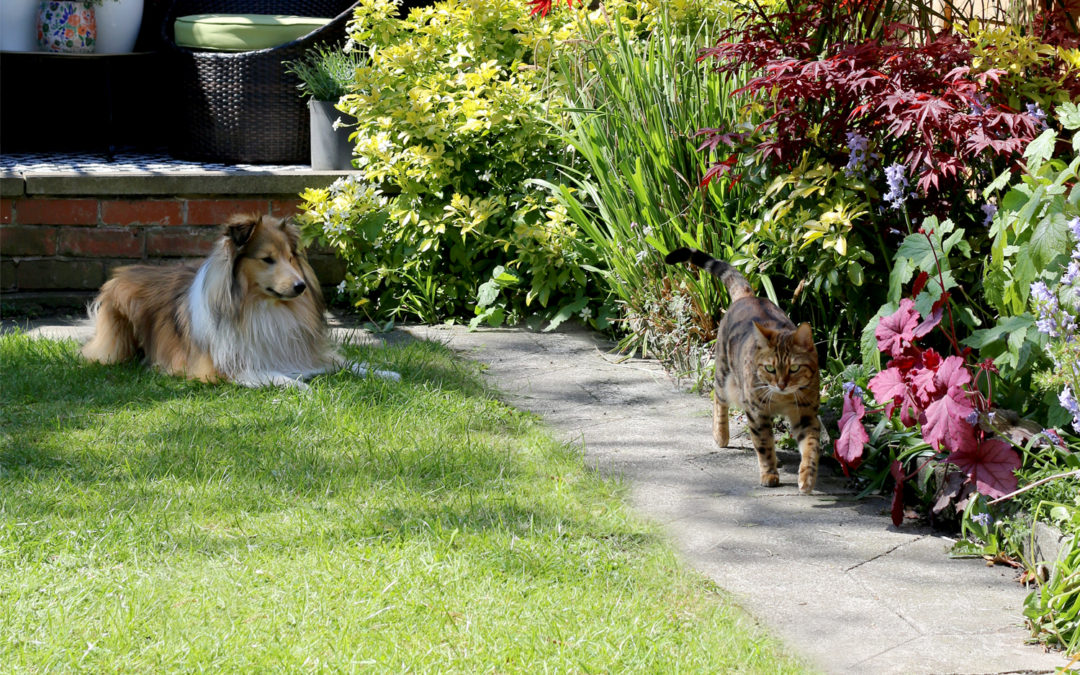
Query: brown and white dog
pixel 251 313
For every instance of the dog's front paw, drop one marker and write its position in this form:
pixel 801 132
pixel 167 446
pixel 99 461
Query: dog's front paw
pixel 281 380
pixel 364 371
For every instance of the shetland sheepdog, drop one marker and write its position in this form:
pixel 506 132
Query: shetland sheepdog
pixel 251 313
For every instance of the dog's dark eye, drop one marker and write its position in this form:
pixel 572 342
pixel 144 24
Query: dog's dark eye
pixel 268 260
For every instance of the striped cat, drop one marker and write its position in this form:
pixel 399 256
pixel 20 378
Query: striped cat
pixel 765 366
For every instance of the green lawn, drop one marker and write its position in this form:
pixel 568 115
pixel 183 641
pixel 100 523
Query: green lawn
pixel 150 524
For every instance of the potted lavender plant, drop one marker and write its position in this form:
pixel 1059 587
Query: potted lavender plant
pixel 325 75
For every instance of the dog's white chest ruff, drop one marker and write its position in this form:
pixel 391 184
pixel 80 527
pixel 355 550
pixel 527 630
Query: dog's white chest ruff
pixel 260 343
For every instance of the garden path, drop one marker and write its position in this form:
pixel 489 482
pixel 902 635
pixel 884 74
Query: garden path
pixel 832 578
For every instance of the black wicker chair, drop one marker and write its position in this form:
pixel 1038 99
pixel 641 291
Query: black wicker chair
pixel 242 107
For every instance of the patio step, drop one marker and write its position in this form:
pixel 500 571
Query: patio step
pixel 67 220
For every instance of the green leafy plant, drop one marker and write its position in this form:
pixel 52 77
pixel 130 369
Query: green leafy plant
pixel 454 112
pixel 1032 70
pixel 1052 608
pixel 1029 245
pixel 1030 228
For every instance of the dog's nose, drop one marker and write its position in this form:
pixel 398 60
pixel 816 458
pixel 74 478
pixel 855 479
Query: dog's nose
pixel 299 287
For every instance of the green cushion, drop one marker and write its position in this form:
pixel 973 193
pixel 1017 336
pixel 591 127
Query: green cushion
pixel 242 32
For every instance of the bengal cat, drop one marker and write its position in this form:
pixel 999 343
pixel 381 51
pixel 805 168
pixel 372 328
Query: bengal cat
pixel 766 366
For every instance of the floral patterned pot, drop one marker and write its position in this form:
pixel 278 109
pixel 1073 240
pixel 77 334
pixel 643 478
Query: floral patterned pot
pixel 66 26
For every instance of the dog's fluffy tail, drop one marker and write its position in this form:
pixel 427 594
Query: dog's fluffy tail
pixel 736 284
pixel 114 336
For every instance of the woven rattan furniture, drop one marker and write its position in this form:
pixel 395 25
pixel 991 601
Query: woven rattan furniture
pixel 242 107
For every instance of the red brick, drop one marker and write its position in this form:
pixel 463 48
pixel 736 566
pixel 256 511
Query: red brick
pixel 5 211
pixel 35 275
pixel 7 275
pixel 15 241
pixel 180 242
pixel 284 208
pixel 142 212
pixel 102 242
pixel 48 211
pixel 217 211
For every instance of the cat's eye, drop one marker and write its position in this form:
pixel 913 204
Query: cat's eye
pixel 268 260
pixel 794 369
pixel 770 369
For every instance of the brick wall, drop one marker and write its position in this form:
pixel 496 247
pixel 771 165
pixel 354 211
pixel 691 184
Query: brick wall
pixel 57 244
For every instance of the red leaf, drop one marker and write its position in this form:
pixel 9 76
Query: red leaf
pixel 946 424
pixel 849 447
pixel 928 324
pixel 952 376
pixel 920 281
pixel 542 7
pixel 940 302
pixel 931 359
pixel 889 388
pixel 924 388
pixel 897 473
pixel 911 358
pixel 716 170
pixel 898 328
pixel 989 466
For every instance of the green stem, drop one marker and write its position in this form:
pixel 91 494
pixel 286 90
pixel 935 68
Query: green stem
pixel 884 250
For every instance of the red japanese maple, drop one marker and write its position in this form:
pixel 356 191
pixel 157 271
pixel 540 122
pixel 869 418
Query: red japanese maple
pixel 830 67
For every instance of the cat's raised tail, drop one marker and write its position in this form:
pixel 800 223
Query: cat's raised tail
pixel 736 284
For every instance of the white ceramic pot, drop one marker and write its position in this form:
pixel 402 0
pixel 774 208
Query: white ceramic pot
pixel 18 25
pixel 118 23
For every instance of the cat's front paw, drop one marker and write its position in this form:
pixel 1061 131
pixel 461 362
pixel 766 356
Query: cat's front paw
pixel 770 479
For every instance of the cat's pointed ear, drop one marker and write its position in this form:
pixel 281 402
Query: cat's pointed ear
pixel 804 337
pixel 765 334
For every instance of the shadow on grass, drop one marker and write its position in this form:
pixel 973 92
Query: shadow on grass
pixel 126 439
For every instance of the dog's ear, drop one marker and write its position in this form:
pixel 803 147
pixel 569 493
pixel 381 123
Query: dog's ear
pixel 240 227
pixel 292 233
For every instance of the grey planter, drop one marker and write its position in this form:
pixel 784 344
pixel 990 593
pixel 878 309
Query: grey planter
pixel 330 147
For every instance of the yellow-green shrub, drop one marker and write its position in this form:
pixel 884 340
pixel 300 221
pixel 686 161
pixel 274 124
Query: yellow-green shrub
pixel 454 116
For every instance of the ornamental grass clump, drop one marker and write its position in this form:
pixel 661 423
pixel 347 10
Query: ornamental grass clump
pixel 636 105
